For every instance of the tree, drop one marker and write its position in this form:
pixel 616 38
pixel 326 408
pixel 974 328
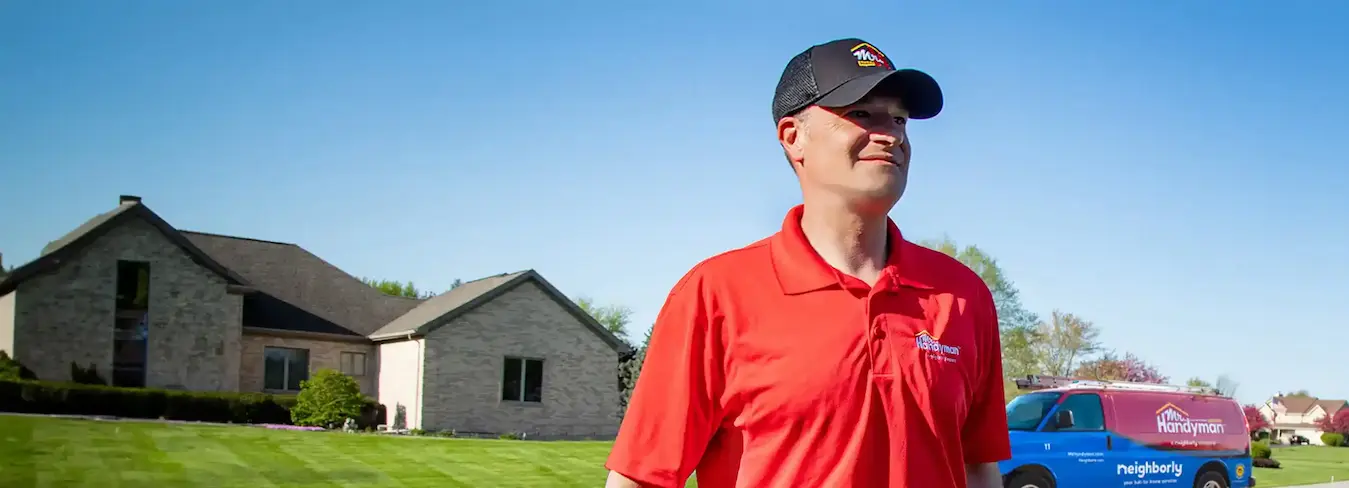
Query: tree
pixel 327 399
pixel 398 288
pixel 612 317
pixel 1198 382
pixel 1110 367
pixel 1255 421
pixel 1335 424
pixel 629 368
pixel 1299 393
pixel 456 284
pixel 1064 340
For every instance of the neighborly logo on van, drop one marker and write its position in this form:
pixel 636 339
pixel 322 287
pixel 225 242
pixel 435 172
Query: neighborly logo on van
pixel 942 352
pixel 1172 420
pixel 1146 468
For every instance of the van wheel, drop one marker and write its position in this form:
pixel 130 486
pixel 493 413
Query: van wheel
pixel 1029 480
pixel 1210 479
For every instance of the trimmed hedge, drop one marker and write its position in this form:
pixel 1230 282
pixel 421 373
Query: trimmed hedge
pixel 52 398
pixel 1333 439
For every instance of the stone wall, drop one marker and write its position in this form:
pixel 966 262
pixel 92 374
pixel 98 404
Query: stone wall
pixel 465 361
pixel 68 315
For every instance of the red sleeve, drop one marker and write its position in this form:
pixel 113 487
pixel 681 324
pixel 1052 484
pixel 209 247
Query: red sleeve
pixel 675 406
pixel 985 438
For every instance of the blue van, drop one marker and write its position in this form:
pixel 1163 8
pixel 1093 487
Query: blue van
pixel 1090 434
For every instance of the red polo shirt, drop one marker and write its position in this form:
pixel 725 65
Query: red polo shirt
pixel 768 368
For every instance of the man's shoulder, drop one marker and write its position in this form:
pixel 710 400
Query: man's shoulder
pixel 947 274
pixel 722 269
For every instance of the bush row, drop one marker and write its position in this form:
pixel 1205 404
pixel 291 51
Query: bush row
pixel 1334 440
pixel 53 398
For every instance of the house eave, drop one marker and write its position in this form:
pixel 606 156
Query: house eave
pixel 298 334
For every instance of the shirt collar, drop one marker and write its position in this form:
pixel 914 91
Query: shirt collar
pixel 800 269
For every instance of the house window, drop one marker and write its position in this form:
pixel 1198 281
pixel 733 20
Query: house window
pixel 522 380
pixel 131 324
pixel 284 368
pixel 353 363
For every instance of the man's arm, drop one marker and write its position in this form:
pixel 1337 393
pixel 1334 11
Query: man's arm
pixel 676 405
pixel 619 481
pixel 982 475
pixel 985 440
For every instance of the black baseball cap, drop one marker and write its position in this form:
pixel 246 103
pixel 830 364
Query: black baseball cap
pixel 842 72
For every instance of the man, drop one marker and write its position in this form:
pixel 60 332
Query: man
pixel 834 353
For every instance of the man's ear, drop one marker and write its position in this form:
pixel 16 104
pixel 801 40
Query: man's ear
pixel 790 135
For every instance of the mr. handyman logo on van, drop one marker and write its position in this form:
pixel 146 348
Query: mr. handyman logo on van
pixel 1172 420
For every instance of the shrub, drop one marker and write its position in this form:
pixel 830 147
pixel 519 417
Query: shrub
pixel 1260 450
pixel 86 376
pixel 327 399
pixel 10 369
pixel 1265 463
pixel 1334 440
pixel 52 398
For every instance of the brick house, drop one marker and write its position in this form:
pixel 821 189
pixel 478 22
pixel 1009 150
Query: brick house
pixel 153 306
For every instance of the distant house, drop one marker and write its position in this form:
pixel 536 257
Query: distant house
pixel 151 305
pixel 1297 415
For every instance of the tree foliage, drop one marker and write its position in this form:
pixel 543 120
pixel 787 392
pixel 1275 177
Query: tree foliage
pixel 615 318
pixel 1110 367
pixel 327 399
pixel 1255 421
pixel 1066 339
pixel 1198 382
pixel 398 288
pixel 1336 424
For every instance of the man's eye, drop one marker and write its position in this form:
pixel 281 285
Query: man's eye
pixel 859 114
pixel 901 120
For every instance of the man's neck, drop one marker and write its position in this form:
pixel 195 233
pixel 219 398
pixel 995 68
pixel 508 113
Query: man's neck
pixel 853 243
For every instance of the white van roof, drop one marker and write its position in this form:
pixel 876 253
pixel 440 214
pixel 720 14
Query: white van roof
pixel 1039 382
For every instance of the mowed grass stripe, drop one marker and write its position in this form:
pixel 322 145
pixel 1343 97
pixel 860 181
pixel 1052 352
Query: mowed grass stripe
pixel 20 465
pixel 325 452
pixel 414 461
pixel 207 455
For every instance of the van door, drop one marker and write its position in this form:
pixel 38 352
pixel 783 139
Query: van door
pixel 1077 437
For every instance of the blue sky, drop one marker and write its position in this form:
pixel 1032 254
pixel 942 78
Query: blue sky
pixel 1169 170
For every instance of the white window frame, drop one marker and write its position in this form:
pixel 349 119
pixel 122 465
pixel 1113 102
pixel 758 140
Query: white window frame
pixel 343 359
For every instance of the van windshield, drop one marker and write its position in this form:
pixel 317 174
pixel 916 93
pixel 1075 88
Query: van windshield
pixel 1026 411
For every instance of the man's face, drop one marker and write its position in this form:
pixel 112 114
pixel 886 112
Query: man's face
pixel 859 152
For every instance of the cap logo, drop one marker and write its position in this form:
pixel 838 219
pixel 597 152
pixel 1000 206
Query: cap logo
pixel 868 56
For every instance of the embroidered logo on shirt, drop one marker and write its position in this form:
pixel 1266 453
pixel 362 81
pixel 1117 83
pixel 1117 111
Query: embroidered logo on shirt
pixel 936 350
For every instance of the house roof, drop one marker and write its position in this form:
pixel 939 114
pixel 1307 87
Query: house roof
pixel 1296 404
pixel 304 290
pixel 444 308
pixel 1332 406
pixel 57 252
pixel 1304 404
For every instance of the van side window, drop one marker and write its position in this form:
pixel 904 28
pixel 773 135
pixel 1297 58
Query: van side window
pixel 1087 412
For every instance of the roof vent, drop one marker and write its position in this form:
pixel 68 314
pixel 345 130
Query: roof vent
pixel 127 199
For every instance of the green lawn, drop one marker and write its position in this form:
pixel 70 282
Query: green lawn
pixel 1305 465
pixel 44 452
